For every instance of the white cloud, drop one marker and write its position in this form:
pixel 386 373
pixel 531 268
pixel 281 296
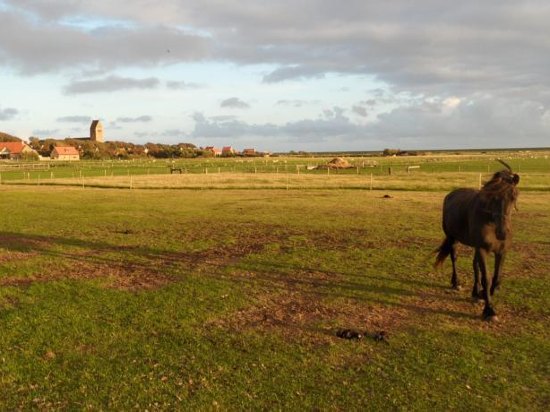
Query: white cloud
pixel 296 102
pixel 234 103
pixel 183 85
pixel 449 74
pixel 139 119
pixel 360 111
pixel 33 46
pixel 8 113
pixel 45 132
pixel 110 84
pixel 74 119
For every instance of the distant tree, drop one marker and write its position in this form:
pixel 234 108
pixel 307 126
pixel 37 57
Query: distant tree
pixel 93 150
pixel 30 156
pixel 5 137
pixel 206 153
pixel 34 143
pixel 46 147
pixel 391 152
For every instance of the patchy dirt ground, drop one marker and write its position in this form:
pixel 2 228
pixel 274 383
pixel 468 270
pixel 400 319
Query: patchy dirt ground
pixel 292 301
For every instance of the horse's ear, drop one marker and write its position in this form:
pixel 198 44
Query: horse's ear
pixel 516 179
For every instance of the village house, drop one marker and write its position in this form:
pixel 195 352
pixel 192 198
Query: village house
pixel 15 150
pixel 228 151
pixel 249 152
pixel 65 153
pixel 216 151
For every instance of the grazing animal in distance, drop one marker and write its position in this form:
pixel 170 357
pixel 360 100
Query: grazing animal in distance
pixel 480 219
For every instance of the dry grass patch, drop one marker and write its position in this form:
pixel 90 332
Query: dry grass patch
pixel 120 276
pixel 9 256
pixel 300 317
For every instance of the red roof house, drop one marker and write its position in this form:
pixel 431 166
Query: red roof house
pixel 65 153
pixel 14 150
pixel 216 151
pixel 249 152
pixel 228 151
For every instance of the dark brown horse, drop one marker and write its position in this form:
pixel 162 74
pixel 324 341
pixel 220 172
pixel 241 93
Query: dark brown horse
pixel 480 219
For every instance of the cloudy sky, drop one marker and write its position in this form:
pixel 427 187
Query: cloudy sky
pixel 279 74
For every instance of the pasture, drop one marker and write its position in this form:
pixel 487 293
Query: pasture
pixel 225 291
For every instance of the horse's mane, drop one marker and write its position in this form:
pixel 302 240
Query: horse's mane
pixel 502 184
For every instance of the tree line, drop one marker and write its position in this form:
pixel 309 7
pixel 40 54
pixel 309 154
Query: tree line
pixel 93 150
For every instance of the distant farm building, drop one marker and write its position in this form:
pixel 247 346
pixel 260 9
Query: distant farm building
pixel 249 152
pixel 96 131
pixel 65 153
pixel 228 151
pixel 14 150
pixel 215 151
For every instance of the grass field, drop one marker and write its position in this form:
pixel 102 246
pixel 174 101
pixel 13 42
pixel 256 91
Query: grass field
pixel 231 299
pixel 531 162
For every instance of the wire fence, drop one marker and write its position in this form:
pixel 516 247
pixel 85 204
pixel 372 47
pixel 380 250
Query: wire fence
pixel 421 173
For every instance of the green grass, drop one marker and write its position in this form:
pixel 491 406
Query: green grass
pixel 530 162
pixel 440 172
pixel 177 299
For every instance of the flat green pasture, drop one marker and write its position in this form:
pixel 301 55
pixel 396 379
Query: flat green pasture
pixel 231 299
pixel 526 162
pixel 422 173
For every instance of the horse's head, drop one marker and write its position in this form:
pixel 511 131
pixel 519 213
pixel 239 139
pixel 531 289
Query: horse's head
pixel 500 195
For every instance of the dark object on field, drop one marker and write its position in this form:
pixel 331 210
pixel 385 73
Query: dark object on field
pixel 349 334
pixel 386 197
pixel 176 170
pixel 480 219
pixel 381 336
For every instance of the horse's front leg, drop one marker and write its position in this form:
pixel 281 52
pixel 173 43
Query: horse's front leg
pixel 489 313
pixel 499 260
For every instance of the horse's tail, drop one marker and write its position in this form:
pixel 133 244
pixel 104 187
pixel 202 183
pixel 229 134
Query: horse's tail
pixel 443 251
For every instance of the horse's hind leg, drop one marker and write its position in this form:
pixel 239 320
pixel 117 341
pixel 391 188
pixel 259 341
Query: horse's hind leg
pixel 454 277
pixel 476 291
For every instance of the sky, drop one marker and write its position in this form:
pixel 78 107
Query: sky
pixel 279 75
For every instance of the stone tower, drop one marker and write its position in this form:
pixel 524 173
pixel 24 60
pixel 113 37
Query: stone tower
pixel 96 131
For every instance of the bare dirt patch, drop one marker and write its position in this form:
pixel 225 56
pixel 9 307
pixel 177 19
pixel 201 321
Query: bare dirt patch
pixel 130 267
pixel 9 256
pixel 219 256
pixel 124 276
pixel 310 318
pixel 18 282
pixel 120 276
pixel 533 257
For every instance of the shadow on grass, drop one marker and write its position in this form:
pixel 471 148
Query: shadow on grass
pixel 90 258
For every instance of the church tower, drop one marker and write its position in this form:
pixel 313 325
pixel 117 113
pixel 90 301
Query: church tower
pixel 96 131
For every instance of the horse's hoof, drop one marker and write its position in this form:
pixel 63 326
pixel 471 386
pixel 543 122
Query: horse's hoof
pixel 489 314
pixel 491 319
pixel 457 288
